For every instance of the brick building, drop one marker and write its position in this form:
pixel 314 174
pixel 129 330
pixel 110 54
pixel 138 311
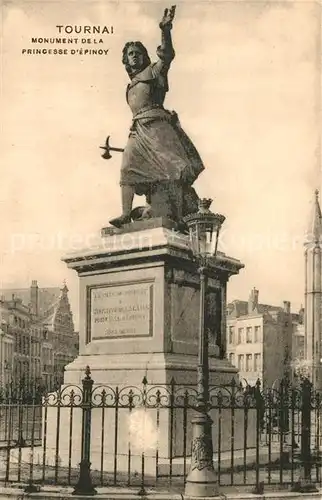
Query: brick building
pixel 26 358
pixel 259 339
pixel 40 323
pixel 6 347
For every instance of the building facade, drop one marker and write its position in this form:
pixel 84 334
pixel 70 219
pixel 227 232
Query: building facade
pixel 39 324
pixel 259 340
pixel 6 347
pixel 26 365
pixel 61 336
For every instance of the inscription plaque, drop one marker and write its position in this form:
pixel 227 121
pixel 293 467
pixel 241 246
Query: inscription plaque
pixel 121 311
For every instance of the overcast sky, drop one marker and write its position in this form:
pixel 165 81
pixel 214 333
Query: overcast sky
pixel 246 85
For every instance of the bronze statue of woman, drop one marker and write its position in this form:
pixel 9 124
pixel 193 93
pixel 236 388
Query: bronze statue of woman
pixel 159 160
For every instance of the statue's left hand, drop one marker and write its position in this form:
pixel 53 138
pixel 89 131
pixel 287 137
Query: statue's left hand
pixel 168 16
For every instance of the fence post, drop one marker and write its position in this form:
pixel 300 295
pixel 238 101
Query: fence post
pixel 284 410
pixel 84 485
pixel 305 484
pixel 260 412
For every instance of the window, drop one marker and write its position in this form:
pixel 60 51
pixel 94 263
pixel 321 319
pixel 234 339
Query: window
pixel 257 362
pixel 241 362
pixel 248 362
pixel 232 358
pixel 257 333
pixel 231 335
pixel 240 335
pixel 249 335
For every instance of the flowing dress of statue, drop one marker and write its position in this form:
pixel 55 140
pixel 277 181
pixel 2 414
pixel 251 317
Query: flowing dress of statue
pixel 159 160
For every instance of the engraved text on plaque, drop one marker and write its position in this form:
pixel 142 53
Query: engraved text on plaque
pixel 121 311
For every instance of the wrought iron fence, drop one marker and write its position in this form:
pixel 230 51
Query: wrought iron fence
pixel 98 435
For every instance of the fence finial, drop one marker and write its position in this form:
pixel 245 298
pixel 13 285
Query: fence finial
pixel 87 373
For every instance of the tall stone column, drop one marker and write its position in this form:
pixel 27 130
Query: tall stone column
pixel 313 294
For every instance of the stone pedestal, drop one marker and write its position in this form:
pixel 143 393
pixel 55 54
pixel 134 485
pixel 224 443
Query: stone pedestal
pixel 139 308
pixel 139 316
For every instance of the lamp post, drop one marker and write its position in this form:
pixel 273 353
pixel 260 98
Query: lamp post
pixel 204 227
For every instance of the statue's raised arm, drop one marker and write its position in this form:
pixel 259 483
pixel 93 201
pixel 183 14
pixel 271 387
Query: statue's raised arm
pixel 168 16
pixel 165 51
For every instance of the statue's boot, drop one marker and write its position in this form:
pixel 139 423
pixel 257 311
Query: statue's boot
pixel 120 221
pixel 127 201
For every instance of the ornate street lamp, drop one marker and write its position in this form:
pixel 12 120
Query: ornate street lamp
pixel 204 227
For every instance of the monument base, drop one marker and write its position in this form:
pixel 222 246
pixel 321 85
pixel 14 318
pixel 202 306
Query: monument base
pixel 158 368
pixel 147 408
pixel 139 328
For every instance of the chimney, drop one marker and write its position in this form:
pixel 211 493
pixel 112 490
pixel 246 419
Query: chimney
pixel 34 297
pixel 287 307
pixel 253 301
